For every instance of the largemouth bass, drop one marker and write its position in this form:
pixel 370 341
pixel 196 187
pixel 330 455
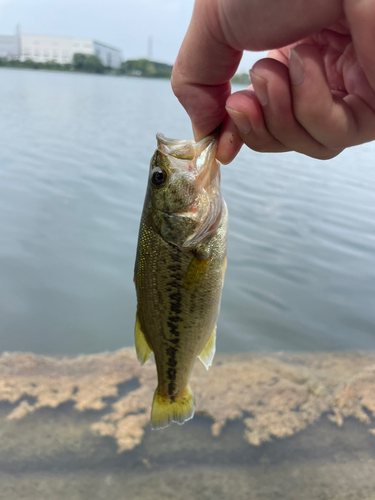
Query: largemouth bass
pixel 179 270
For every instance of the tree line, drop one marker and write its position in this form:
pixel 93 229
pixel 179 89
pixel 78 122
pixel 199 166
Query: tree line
pixel 86 63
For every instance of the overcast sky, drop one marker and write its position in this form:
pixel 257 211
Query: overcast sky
pixel 126 24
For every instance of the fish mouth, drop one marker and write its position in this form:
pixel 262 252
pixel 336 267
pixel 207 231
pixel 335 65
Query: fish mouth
pixel 189 150
pixel 207 168
pixel 202 153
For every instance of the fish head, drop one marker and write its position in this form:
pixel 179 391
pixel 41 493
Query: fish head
pixel 185 196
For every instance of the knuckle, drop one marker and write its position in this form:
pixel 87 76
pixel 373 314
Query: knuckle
pixel 178 84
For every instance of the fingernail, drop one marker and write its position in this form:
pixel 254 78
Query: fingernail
pixel 296 68
pixel 260 88
pixel 240 119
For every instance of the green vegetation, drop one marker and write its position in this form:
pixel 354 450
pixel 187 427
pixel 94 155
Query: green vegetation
pixel 146 68
pixel 81 63
pixel 241 78
pixel 86 63
pixel 29 64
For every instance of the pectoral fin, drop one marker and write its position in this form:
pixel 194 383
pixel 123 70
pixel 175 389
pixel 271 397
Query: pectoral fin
pixel 141 346
pixel 225 262
pixel 208 351
pixel 196 273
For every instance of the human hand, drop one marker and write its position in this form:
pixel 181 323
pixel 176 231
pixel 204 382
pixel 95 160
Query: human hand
pixel 314 95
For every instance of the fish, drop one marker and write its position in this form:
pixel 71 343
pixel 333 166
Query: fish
pixel 179 270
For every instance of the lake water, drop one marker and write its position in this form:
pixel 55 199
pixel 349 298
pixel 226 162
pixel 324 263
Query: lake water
pixel 74 155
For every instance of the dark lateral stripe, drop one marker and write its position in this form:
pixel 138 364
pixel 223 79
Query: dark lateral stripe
pixel 173 329
pixel 174 319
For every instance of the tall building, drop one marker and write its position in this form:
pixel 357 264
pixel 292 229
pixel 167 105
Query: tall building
pixel 41 48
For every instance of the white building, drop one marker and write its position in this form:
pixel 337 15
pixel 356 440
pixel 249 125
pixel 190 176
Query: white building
pixel 9 47
pixel 41 48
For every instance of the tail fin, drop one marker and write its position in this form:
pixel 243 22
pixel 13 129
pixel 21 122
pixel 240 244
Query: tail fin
pixel 165 411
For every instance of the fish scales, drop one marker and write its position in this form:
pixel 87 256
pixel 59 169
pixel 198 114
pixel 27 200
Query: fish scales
pixel 177 320
pixel 179 273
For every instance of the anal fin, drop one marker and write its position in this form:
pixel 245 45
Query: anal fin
pixel 141 346
pixel 208 352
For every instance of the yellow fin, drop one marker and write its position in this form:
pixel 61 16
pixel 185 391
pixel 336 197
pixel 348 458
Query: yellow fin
pixel 165 411
pixel 195 273
pixel 225 262
pixel 141 346
pixel 208 351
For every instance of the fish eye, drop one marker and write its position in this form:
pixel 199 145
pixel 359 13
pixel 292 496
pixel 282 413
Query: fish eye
pixel 158 177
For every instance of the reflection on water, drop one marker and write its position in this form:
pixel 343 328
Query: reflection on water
pixel 74 152
pixel 285 426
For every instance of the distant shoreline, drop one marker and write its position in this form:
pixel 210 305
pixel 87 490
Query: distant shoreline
pixel 139 68
pixel 83 63
pixel 67 72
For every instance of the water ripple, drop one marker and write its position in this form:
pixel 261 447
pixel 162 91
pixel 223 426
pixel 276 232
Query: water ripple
pixel 74 156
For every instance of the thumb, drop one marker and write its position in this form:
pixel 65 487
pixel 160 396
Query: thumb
pixel 205 104
pixel 203 69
